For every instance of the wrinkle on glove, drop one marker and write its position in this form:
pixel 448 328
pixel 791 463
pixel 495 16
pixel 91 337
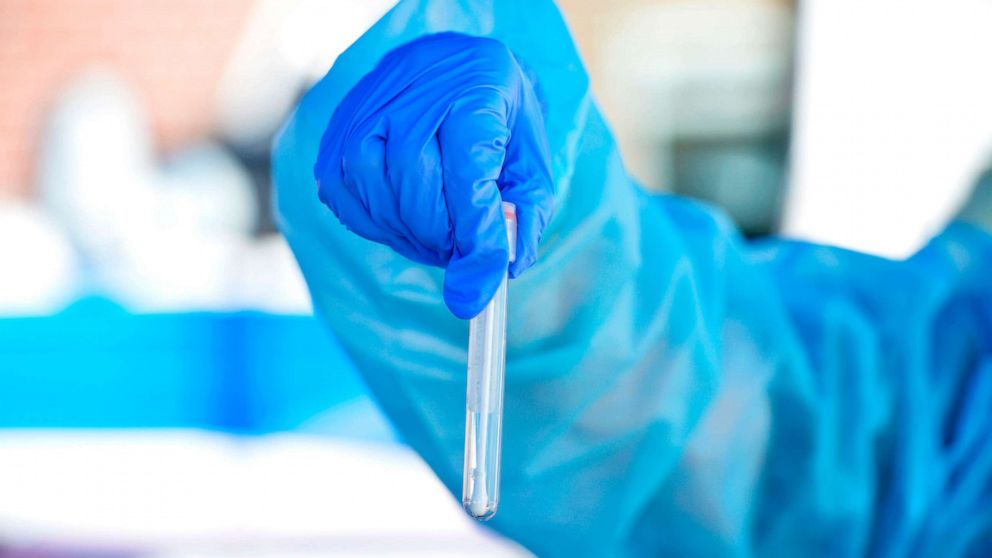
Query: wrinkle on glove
pixel 671 390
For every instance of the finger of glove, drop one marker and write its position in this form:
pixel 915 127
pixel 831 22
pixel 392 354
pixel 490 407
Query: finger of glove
pixel 354 216
pixel 473 139
pixel 366 179
pixel 413 163
pixel 526 178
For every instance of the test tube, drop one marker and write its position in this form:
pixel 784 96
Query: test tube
pixel 484 400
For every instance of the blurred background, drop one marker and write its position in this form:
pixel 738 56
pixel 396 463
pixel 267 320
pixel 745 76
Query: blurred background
pixel 164 389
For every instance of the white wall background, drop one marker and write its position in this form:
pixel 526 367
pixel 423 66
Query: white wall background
pixel 893 119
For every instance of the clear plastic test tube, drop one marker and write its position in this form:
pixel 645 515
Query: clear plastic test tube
pixel 484 400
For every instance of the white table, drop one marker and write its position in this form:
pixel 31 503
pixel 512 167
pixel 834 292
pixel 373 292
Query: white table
pixel 192 493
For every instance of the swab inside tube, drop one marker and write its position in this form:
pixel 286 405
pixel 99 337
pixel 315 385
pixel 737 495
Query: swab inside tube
pixel 484 400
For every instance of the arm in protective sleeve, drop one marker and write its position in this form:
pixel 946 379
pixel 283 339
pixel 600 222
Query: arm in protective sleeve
pixel 670 389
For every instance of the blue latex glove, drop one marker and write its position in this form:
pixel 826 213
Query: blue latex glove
pixel 422 150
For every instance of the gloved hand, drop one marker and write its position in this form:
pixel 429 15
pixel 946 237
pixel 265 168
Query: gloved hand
pixel 421 151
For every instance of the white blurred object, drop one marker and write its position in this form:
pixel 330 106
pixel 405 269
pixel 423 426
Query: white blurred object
pixel 189 493
pixel 95 165
pixel 205 189
pixel 269 279
pixel 39 263
pixel 693 69
pixel 891 130
pixel 158 237
pixel 286 46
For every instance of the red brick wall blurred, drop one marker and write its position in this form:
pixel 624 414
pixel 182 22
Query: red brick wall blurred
pixel 171 51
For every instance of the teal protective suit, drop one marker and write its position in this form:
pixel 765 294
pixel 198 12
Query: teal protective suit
pixel 671 388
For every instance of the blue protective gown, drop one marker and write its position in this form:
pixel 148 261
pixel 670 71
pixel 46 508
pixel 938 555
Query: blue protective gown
pixel 671 388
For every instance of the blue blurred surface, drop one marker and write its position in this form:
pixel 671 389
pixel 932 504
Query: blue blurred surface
pixel 96 365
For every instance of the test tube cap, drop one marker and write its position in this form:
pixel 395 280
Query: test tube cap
pixel 510 214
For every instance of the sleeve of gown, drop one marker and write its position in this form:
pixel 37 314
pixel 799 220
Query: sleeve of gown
pixel 671 390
